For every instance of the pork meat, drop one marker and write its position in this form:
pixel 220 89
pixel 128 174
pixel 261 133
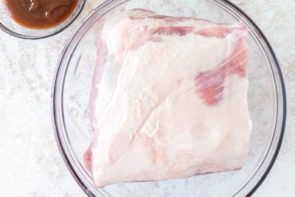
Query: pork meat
pixel 169 98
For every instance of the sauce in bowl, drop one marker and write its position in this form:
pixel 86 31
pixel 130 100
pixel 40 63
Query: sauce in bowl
pixel 40 14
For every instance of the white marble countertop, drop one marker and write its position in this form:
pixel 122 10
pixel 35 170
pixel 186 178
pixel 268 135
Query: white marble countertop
pixel 30 162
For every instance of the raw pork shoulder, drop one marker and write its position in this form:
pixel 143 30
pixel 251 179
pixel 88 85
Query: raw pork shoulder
pixel 169 98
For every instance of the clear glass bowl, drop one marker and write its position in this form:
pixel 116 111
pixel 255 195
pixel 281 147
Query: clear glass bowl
pixel 8 25
pixel 267 104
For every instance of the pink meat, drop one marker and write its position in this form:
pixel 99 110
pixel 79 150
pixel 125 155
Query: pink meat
pixel 169 99
pixel 210 84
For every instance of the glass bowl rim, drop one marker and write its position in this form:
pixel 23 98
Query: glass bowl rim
pixel 60 28
pixel 55 102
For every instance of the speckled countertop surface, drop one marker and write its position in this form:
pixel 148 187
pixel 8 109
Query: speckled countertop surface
pixel 30 162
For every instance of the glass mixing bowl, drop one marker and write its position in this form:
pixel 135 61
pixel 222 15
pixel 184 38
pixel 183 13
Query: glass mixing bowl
pixel 8 25
pixel 267 104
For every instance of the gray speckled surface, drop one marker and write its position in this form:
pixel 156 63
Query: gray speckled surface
pixel 29 159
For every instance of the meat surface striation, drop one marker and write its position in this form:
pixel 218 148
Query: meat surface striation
pixel 169 98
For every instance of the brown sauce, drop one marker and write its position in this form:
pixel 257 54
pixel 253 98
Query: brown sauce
pixel 40 14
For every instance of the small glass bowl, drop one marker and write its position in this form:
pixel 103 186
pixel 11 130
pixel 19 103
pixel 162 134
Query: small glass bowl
pixel 266 98
pixel 8 25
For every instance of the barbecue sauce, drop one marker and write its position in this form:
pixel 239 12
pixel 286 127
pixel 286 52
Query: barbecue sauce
pixel 40 14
